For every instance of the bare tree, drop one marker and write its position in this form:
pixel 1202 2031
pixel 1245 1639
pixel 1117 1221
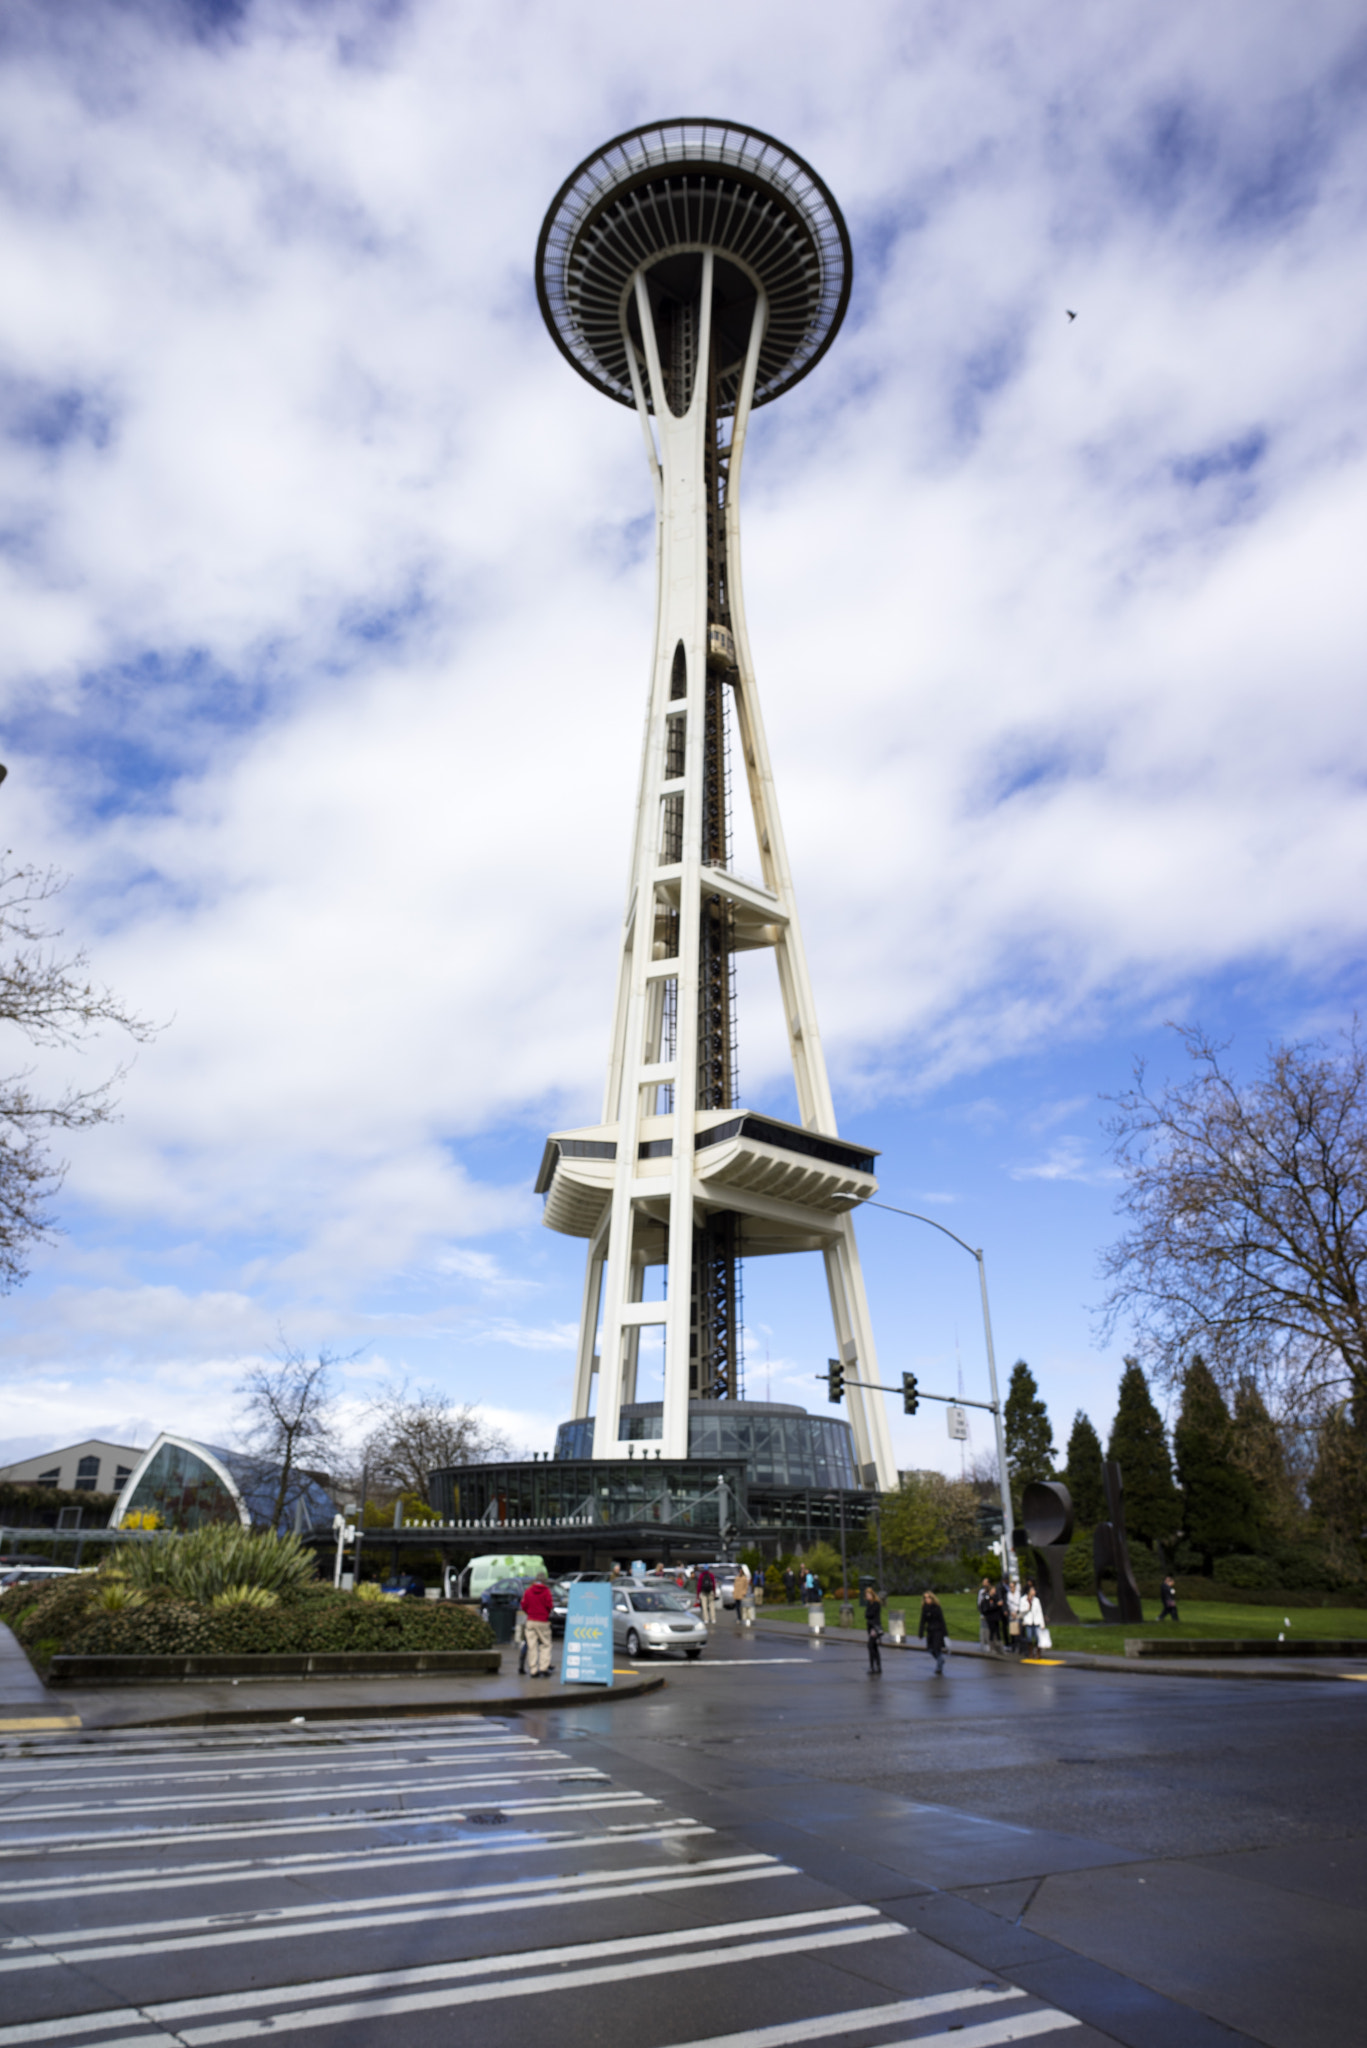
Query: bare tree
pixel 1247 1206
pixel 50 998
pixel 420 1430
pixel 288 1418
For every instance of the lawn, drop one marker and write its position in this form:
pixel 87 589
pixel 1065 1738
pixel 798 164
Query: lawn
pixel 1199 1618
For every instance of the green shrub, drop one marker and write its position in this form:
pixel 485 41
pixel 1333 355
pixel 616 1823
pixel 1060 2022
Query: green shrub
pixel 164 1627
pixel 114 1595
pixel 1078 1576
pixel 215 1559
pixel 39 1610
pixel 1257 1572
pixel 824 1560
pixel 245 1596
pixel 72 1617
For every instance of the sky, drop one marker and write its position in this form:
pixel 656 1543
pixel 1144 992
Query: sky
pixel 327 591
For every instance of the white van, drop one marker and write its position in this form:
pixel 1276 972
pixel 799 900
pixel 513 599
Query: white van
pixel 481 1572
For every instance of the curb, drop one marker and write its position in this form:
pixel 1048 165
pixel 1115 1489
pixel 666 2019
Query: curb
pixel 378 1710
pixel 1071 1660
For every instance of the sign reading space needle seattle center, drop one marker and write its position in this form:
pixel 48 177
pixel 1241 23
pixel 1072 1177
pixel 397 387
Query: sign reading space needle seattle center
pixel 694 269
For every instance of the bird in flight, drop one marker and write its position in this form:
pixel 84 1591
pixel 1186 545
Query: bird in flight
pixel 1070 313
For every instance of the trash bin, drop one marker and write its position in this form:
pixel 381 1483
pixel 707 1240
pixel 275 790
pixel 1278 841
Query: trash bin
pixel 501 1608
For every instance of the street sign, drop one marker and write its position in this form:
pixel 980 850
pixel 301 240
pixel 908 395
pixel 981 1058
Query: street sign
pixel 588 1634
pixel 958 1422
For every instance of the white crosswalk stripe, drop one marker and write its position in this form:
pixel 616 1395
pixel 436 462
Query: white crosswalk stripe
pixel 363 1889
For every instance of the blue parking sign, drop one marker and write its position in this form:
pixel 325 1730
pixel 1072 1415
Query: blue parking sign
pixel 588 1635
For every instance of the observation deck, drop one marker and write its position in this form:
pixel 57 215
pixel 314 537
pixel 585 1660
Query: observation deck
pixel 790 1184
pixel 657 197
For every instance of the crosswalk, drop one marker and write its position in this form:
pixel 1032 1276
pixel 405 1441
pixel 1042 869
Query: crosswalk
pixel 359 1883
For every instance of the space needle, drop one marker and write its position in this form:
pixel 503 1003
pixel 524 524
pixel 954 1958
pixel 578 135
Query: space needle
pixel 694 269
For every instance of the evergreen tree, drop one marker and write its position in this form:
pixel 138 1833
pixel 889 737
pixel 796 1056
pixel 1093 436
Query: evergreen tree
pixel 1219 1501
pixel 1029 1439
pixel 1338 1491
pixel 1082 1473
pixel 1139 1445
pixel 1260 1452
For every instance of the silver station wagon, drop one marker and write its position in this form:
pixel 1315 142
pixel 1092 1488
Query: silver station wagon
pixel 654 1618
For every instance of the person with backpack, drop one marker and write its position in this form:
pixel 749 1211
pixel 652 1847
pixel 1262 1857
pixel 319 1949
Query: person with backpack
pixel 933 1628
pixel 707 1595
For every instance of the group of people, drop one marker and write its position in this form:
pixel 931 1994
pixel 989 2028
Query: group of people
pixel 932 1629
pixel 1010 1617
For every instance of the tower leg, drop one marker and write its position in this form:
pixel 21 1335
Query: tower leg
pixel 854 1332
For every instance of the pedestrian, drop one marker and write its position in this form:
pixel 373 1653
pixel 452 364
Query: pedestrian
pixel 520 1638
pixel 1032 1616
pixel 707 1595
pixel 932 1627
pixel 873 1622
pixel 742 1597
pixel 985 1628
pixel 995 1611
pixel 1167 1594
pixel 538 1606
pixel 790 1586
pixel 1014 1604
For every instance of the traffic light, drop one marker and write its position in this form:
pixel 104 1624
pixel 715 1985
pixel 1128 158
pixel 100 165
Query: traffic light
pixel 835 1380
pixel 911 1400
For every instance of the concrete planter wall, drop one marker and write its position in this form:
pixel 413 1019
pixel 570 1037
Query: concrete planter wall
pixel 317 1664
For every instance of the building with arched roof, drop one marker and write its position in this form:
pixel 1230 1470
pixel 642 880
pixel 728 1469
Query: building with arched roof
pixel 188 1485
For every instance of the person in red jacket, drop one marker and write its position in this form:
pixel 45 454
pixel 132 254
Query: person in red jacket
pixel 538 1605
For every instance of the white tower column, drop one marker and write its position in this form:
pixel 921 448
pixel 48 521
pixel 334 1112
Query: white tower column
pixel 695 285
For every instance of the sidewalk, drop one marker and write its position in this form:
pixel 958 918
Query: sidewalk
pixel 28 1707
pixel 1325 1668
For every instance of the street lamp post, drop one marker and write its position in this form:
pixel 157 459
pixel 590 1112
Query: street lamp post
pixel 974 1252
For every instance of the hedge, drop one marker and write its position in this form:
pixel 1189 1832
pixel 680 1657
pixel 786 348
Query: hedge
pixel 66 1618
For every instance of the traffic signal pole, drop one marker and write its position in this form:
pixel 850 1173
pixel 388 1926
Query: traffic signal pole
pixel 837 1380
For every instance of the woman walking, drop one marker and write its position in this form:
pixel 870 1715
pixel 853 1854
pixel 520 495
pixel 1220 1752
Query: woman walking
pixel 873 1622
pixel 932 1626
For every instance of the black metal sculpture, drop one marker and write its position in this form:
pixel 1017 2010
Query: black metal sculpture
pixel 1048 1509
pixel 1110 1555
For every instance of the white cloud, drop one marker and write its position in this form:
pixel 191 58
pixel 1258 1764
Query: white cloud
pixel 328 596
pixel 1069 1159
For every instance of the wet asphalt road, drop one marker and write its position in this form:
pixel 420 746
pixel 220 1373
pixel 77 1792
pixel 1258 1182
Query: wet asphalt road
pixel 773 1848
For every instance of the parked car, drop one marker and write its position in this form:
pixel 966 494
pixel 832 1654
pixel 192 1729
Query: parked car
pixel 654 1618
pixel 21 1574
pixel 471 1581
